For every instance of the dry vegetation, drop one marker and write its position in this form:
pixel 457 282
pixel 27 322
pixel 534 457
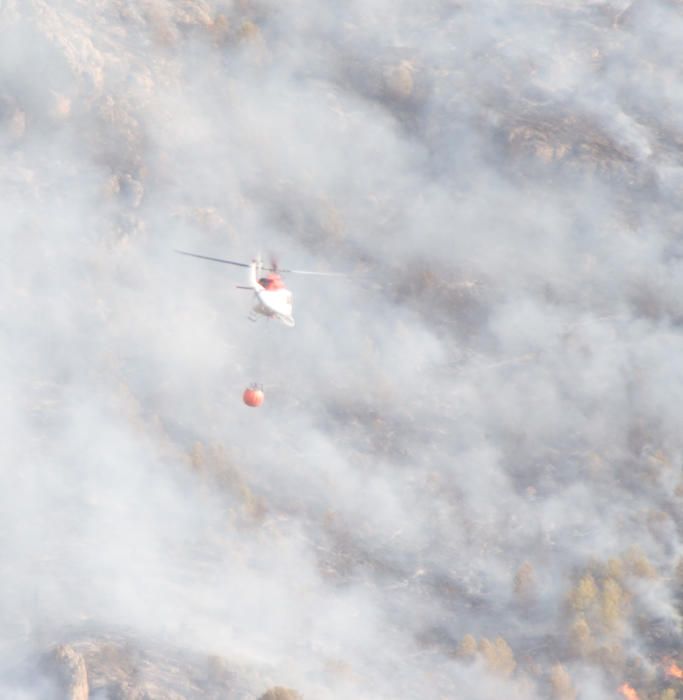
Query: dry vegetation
pixel 601 621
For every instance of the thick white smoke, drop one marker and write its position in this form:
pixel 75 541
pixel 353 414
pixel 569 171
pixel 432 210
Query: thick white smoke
pixel 494 390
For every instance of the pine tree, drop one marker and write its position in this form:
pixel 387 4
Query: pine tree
pixel 498 656
pixel 581 637
pixel 585 594
pixel 561 683
pixel 638 564
pixel 615 568
pixel 612 604
pixel 525 583
pixel 467 649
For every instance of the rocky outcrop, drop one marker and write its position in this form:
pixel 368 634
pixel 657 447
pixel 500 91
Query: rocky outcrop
pixel 279 693
pixel 68 668
pixel 119 668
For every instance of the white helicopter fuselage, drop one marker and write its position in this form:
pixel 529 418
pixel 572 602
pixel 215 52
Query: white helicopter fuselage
pixel 272 298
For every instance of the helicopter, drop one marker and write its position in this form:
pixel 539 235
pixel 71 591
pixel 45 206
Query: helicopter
pixel 272 299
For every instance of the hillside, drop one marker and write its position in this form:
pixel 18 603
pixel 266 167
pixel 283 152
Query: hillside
pixel 466 478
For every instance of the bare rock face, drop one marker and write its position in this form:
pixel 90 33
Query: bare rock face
pixel 279 693
pixel 146 691
pixel 69 668
pixel 120 669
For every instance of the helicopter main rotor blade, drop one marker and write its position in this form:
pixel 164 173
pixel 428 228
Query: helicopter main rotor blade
pixel 309 272
pixel 206 257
